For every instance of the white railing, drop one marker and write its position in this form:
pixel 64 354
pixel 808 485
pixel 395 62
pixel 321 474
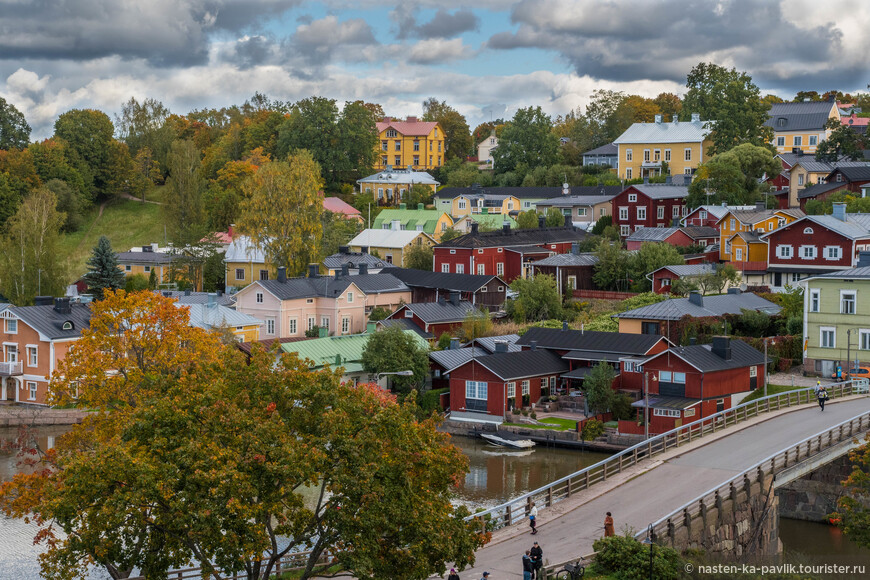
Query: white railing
pixel 10 368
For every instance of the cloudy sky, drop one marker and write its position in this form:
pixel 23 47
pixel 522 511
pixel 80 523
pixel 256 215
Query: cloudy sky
pixel 485 57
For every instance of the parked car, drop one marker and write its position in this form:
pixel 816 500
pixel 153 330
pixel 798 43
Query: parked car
pixel 856 373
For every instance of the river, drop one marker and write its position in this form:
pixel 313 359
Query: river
pixel 495 475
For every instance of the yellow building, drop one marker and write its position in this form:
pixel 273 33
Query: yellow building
pixel 646 149
pixel 245 263
pixel 143 260
pixel 389 245
pixel 431 221
pixel 218 318
pixel 479 203
pixel 412 144
pixel 807 172
pixel 752 223
pixel 801 125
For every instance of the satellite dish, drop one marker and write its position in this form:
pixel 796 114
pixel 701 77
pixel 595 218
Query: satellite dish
pixel 565 186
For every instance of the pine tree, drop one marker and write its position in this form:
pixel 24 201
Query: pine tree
pixel 103 269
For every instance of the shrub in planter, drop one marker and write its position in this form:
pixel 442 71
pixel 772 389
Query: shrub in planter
pixel 553 398
pixel 625 557
pixel 525 412
pixel 533 415
pixel 515 411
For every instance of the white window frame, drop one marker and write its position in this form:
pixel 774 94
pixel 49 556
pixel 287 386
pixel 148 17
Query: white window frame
pixel 738 254
pixel 11 326
pixel 628 173
pixel 291 326
pixel 270 326
pixel 350 297
pixel 688 153
pixel 673 413
pixel 128 268
pixel 646 155
pixel 481 269
pixel 409 313
pixel 476 390
pixel 863 339
pixel 832 252
pixel 665 376
pixel 784 251
pixel 830 331
pixel 848 301
pixel 312 322
pixel 623 213
pixel 798 140
pixel 511 390
pixel 675 211
pixel 624 231
pixel 460 268
pixel 499 269
pixel 240 271
pixel 258 297
pixel 780 141
pixel 660 212
pixel 32 351
pixel 628 155
pixel 815 299
pixel 345 324
pixel 814 140
pixel 641 213
pixel 32 387
pixel 808 252
pixel 525 387
pixel 445 268
pixel 632 198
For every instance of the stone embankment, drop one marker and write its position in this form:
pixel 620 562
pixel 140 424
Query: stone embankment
pixel 16 415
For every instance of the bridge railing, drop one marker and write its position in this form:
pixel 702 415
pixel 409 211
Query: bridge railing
pixel 516 510
pixel 771 465
pixel 290 562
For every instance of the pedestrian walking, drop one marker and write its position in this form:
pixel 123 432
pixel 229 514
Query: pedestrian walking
pixel 528 566
pixel 453 575
pixel 485 576
pixel 537 555
pixel 608 525
pixel 822 396
pixel 533 518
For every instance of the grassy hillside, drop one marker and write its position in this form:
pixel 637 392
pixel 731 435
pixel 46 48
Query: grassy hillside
pixel 126 223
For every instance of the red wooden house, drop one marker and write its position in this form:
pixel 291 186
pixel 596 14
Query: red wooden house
pixel 649 206
pixel 689 383
pixel 852 177
pixel 675 236
pixel 433 318
pixel 663 278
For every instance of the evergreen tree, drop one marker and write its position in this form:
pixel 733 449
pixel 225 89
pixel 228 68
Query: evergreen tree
pixel 103 271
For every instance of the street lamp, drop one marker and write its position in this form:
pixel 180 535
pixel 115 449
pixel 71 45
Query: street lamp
pixel 396 373
pixel 649 540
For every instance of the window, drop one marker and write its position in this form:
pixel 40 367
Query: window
pixel 689 412
pixel 324 322
pixel 67 325
pixel 572 282
pixel 628 173
pixel 391 132
pixel 439 146
pixel 666 413
pixel 552 383
pixel 11 353
pixel 350 297
pixel 733 223
pixel 345 324
pixel 292 326
pixel 499 269
pixel 147 268
pixel 383 160
pixel 727 247
pixel 632 198
pixel 460 268
pixel 839 178
pixel 665 376
pixel 680 378
pixel 667 154
pixel 481 269
pixel 128 268
pixel 815 300
pixel 864 339
pixel 416 145
pixel 847 301
pixel 623 213
pixel 687 171
pixel 270 326
pixel 832 252
pixel 780 141
pixel 676 211
pixel 259 296
pixel 31 390
pixel 702 214
pixel 783 251
pixel 688 154
pixel 32 356
pixel 828 337
pixel 445 268
pixel 311 323
pixel 543 383
pixel 511 390
pixel 581 212
pixel 657 155
pixel 753 371
pixel 416 160
pixel 660 211
pixel 629 366
pixel 641 213
pixel 240 273
pixel 808 231
pixel 602 212
pixel 646 155
pixel 388 258
pixel 798 140
pixel 397 160
pixel 738 254
pixel 628 155
pixel 462 204
pixel 11 326
pixel 309 301
pixel 624 231
pixel 384 146
pixel 808 252
pixel 475 390
pixel 399 146
pixel 666 282
pixel 814 140
pixel 409 313
pixel 800 179
pixel 525 387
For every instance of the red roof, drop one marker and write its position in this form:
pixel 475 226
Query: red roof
pixel 410 127
pixel 220 237
pixel 337 205
pixel 855 121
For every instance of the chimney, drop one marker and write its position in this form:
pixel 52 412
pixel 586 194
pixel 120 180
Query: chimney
pixel 212 300
pixel 454 298
pixel 863 260
pixel 187 292
pixel 506 227
pixel 760 205
pixel 420 206
pixel 345 270
pixel 696 298
pixel 568 222
pixel 693 341
pixel 220 292
pixel 395 225
pixel 388 119
pixel 167 293
pixel 501 346
pixel 43 300
pixel 575 248
pixel 371 327
pixel 533 345
pixel 735 291
pixel 313 270
pixel 541 221
pixel 230 232
pixel 412 120
pixel 343 250
pixel 62 305
pixel 564 325
pixel 658 119
pixel 474 226
pixel 696 117
pixel 454 344
pixel 721 347
pixel 282 274
pixel 669 180
pixel 840 210
pixel 441 299
pixel 403 206
pixel 363 269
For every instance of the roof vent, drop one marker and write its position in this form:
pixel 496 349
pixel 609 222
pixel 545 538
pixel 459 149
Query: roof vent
pixel 696 117
pixel 696 299
pixel 658 119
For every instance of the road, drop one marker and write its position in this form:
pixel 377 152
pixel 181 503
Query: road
pixel 659 491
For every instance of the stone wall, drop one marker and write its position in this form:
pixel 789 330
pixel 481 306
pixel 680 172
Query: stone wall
pixel 743 523
pixel 815 496
pixel 13 416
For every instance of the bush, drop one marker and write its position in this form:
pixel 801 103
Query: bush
pixel 525 412
pixel 515 411
pixel 443 341
pixel 431 400
pixel 378 313
pixel 136 282
pixel 621 407
pixel 628 559
pixel 533 415
pixel 592 429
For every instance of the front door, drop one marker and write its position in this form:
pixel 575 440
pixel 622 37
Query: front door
pixel 777 279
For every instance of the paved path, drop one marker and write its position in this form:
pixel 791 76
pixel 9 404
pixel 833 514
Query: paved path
pixel 568 529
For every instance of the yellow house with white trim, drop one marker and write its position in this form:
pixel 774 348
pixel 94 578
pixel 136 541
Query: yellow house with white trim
pixel 411 144
pixel 646 149
pixel 800 125
pixel 390 245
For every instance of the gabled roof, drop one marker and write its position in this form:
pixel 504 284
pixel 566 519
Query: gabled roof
pixel 380 283
pixel 400 176
pixel 699 232
pixel 855 226
pixel 584 259
pixel 702 358
pixel 651 234
pixel 488 342
pixel 576 200
pixel 338 205
pixel 337 351
pixel 661 190
pixel 802 116
pixel 518 192
pixel 187 297
pixel 419 128
pixel 820 188
pixel 213 316
pixel 614 342
pixel 436 312
pixel 718 211
pixel 295 288
pixel 680 132
pixel 455 358
pixel 789 158
pixel 517 237
pixel 442 280
pixel 353 259
pixel 242 249
pixel 850 274
pixel 411 219
pixel 813 166
pixel 676 308
pixel 509 366
pixel 49 322
pixel 609 149
pixel 404 324
pixel 395 239
pixel 853 173
pixel 752 217
pixel 684 270
pixel 748 237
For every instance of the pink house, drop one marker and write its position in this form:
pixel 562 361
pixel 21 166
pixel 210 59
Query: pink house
pixel 340 304
pixel 337 205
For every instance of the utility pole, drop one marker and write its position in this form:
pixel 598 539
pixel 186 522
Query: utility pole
pixel 766 369
pixel 645 405
pixel 848 350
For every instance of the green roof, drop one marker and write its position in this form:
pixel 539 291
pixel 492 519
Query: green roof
pixel 493 220
pixel 325 351
pixel 410 218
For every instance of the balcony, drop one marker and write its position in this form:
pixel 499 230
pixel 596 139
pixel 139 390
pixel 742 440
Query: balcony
pixel 10 369
pixel 750 266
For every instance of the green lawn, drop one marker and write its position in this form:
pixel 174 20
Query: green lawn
pixel 553 423
pixel 126 223
pixel 771 390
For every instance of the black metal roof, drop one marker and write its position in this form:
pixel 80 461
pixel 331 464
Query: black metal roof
pixel 331 286
pixel 612 342
pixel 798 116
pixel 380 283
pixel 405 324
pixel 518 192
pixel 432 312
pixel 701 356
pixel 510 366
pixel 187 297
pixel 860 173
pixel 145 257
pixel 49 322
pixel 499 238
pixel 441 280
pixel 353 259
pixel 820 188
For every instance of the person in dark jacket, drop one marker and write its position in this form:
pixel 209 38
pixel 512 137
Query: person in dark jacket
pixel 453 575
pixel 528 566
pixel 822 396
pixel 537 555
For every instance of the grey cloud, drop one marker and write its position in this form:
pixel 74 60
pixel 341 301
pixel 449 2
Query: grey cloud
pixel 443 23
pixel 627 40
pixel 252 51
pixel 318 41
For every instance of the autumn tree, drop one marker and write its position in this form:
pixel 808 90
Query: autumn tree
pixel 143 125
pixel 419 257
pixel 394 350
pixel 104 272
pixel 457 134
pixel 843 143
pixel 282 211
pixel 14 130
pixel 670 106
pixel 538 298
pixel 29 261
pixel 527 139
pixel 729 103
pixel 733 177
pixel 183 201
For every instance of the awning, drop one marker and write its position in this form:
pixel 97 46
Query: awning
pixel 660 402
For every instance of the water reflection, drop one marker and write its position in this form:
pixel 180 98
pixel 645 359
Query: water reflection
pixel 818 539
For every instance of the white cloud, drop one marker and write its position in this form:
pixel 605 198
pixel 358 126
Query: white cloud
pixel 439 50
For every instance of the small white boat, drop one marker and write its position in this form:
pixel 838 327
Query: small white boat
pixel 518 444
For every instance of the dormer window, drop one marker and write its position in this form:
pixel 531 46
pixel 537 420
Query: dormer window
pixel 781 122
pixel 391 132
pixel 68 325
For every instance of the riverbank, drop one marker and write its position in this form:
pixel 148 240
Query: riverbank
pixel 18 415
pixel 543 437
